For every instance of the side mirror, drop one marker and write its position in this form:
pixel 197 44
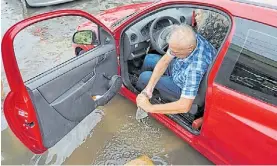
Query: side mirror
pixel 85 37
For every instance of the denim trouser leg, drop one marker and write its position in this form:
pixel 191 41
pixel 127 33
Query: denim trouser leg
pixel 150 62
pixel 165 84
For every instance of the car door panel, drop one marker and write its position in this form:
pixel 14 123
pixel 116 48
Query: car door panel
pixel 50 121
pixel 71 92
pixel 70 74
pixel 44 109
pixel 76 98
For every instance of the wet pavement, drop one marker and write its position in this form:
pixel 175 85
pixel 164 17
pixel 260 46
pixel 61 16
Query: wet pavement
pixel 109 135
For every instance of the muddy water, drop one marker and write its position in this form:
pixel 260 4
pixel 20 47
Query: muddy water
pixel 109 135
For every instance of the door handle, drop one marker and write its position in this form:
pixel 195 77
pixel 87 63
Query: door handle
pixel 115 85
pixel 101 58
pixel 88 77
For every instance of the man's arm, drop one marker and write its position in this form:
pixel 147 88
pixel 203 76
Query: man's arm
pixel 159 70
pixel 189 92
pixel 183 105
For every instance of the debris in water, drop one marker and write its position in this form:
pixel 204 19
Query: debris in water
pixel 142 160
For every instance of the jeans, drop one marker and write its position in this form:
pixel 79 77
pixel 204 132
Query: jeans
pixel 165 85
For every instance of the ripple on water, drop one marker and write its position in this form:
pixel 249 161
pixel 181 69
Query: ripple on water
pixel 132 140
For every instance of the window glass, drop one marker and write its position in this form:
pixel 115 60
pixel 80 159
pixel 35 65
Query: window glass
pixel 250 65
pixel 49 43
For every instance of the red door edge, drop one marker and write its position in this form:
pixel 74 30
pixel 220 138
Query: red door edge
pixel 19 110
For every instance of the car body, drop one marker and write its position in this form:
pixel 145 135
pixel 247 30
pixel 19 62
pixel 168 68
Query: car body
pixel 38 3
pixel 239 121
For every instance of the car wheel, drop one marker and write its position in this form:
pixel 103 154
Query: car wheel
pixel 81 52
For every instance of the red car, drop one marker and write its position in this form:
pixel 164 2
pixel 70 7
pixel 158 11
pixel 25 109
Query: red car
pixel 234 117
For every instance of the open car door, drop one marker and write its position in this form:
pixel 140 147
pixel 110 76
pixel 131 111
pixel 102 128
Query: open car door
pixel 43 109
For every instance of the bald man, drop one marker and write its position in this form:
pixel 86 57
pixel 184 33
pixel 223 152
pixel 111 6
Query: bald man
pixel 178 72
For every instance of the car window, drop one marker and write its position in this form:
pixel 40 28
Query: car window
pixel 213 26
pixel 250 65
pixel 49 43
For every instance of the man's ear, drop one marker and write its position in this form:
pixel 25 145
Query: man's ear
pixel 191 48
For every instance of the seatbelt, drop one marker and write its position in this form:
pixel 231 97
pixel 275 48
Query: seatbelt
pixel 193 22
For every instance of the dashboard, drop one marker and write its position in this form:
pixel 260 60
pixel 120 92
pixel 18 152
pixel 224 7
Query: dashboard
pixel 160 25
pixel 137 39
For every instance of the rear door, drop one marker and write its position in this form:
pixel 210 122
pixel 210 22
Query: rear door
pixel 41 109
pixel 241 123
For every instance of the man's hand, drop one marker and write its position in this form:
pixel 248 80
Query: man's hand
pixel 143 102
pixel 149 91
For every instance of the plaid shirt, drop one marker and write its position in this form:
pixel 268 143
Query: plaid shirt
pixel 187 72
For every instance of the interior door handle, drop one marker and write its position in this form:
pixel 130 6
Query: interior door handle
pixel 101 58
pixel 88 77
pixel 115 85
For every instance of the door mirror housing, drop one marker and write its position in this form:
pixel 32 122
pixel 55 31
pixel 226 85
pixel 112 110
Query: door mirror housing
pixel 85 37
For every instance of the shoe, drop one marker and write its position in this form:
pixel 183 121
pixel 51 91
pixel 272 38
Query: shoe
pixel 133 79
pixel 137 72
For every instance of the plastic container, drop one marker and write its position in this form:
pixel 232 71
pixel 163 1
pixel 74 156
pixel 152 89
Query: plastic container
pixel 141 114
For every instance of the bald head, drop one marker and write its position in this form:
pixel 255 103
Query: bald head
pixel 183 34
pixel 182 40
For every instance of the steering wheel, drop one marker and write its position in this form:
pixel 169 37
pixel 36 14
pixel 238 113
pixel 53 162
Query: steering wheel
pixel 159 38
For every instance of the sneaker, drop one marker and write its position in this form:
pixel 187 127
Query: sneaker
pixel 133 79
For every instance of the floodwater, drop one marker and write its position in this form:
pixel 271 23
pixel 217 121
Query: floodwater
pixel 110 134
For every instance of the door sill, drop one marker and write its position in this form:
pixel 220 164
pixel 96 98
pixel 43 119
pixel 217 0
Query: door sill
pixel 184 123
pixel 182 119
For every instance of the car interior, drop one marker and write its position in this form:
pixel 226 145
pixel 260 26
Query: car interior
pixel 148 35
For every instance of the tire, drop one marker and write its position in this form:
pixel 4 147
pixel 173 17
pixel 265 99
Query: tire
pixel 79 51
